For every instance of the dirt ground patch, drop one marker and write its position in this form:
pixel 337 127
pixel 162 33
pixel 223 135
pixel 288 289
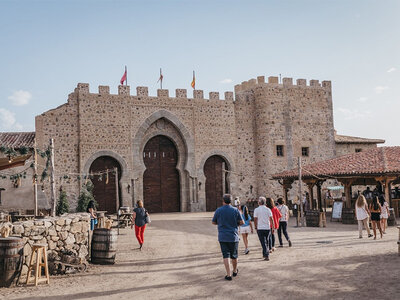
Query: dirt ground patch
pixel 181 260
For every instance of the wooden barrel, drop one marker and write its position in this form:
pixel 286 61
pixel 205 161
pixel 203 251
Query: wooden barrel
pixel 11 259
pixel 312 218
pixel 104 246
pixel 348 216
pixel 392 219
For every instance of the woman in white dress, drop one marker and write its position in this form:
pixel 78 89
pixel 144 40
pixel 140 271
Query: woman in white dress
pixel 362 214
pixel 385 212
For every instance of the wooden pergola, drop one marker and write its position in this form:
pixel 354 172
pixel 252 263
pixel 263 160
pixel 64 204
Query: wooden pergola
pixel 379 166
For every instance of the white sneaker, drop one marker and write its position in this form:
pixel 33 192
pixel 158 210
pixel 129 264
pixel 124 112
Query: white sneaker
pixel 246 251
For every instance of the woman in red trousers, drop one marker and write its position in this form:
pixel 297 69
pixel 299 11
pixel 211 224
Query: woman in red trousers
pixel 139 217
pixel 276 215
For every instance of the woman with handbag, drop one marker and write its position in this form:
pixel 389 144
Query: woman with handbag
pixel 140 217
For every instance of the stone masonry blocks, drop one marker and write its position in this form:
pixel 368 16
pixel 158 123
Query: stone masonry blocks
pixel 287 81
pixel 301 82
pixel 198 94
pixel 314 82
pixel 273 79
pixel 214 96
pixel 327 84
pixel 142 91
pixel 124 90
pixel 260 79
pixel 229 96
pixel 180 93
pixel 104 90
pixel 162 93
pixel 83 88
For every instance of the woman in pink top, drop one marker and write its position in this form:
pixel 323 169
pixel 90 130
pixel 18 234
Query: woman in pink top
pixel 276 215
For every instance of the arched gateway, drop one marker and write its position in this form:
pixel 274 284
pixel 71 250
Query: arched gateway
pixel 105 191
pixel 161 187
pixel 216 181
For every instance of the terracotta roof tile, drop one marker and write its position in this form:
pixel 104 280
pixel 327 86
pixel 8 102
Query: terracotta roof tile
pixel 381 160
pixel 17 139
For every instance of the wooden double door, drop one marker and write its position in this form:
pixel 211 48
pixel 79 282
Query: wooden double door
pixel 161 183
pixel 105 191
pixel 216 181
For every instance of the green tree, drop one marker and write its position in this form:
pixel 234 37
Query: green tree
pixel 62 204
pixel 85 197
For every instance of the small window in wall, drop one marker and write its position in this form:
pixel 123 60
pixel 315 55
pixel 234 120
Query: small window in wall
pixel 305 151
pixel 279 150
pixel 358 150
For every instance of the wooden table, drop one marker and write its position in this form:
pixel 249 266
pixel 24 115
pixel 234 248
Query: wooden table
pixel 125 219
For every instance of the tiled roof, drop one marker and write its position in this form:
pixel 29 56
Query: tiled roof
pixel 345 139
pixel 381 160
pixel 17 139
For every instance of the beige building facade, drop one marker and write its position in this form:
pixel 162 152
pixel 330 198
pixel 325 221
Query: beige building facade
pixel 181 153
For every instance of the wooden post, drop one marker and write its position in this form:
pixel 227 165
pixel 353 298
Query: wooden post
pixel 347 191
pixel 302 222
pixel 35 197
pixel 52 180
pixel 388 184
pixel 116 188
pixel 319 195
pixel 311 193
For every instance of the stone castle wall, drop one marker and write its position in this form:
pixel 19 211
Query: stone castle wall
pixel 244 131
pixel 343 149
pixel 68 232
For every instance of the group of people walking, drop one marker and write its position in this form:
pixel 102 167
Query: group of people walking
pixel 377 211
pixel 232 221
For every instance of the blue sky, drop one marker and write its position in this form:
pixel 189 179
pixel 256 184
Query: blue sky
pixel 47 47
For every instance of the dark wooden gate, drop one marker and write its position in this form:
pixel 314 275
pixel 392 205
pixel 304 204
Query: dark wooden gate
pixel 216 183
pixel 161 187
pixel 105 192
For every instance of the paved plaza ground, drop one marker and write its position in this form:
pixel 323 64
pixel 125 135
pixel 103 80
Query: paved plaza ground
pixel 181 260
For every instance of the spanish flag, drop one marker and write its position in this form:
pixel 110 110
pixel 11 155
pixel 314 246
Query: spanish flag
pixel 124 77
pixel 193 84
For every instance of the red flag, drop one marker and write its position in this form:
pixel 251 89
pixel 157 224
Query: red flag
pixel 193 84
pixel 161 78
pixel 124 77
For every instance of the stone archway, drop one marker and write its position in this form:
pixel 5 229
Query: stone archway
pixel 105 188
pixel 124 178
pixel 161 182
pixel 203 184
pixel 165 123
pixel 216 183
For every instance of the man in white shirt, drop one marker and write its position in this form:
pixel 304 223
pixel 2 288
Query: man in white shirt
pixel 262 222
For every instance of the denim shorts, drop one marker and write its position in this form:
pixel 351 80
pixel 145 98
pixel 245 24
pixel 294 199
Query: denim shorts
pixel 229 249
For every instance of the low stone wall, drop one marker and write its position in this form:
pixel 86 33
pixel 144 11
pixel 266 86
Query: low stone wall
pixel 68 232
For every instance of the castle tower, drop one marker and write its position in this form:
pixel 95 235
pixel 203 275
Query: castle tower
pixel 289 121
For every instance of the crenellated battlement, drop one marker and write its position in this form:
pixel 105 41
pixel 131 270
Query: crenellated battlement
pixel 286 82
pixel 143 92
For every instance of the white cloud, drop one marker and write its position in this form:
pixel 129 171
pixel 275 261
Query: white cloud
pixel 380 89
pixel 227 80
pixel 362 99
pixel 351 114
pixel 20 98
pixel 8 121
pixel 391 70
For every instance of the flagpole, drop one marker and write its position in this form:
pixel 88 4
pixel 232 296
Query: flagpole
pixel 126 77
pixel 161 79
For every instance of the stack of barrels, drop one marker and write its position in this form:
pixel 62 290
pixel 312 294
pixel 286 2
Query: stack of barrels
pixel 104 246
pixel 312 218
pixel 348 216
pixel 11 260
